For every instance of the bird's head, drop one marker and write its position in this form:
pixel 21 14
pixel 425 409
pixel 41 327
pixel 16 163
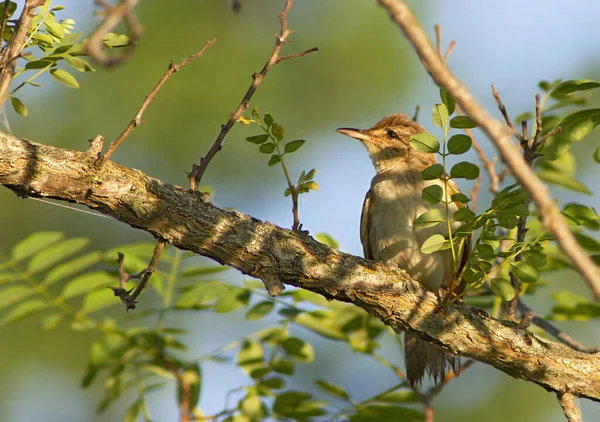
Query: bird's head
pixel 388 144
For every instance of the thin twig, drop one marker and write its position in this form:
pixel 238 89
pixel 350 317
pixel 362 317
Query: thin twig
pixel 3 26
pixel 569 405
pixel 501 137
pixel 545 325
pixel 475 192
pixel 114 15
pixel 416 115
pixel 16 45
pixel 505 114
pixel 137 119
pixel 280 40
pixel 294 55
pixel 126 296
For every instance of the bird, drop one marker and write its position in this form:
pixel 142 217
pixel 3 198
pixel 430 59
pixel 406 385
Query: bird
pixel 386 227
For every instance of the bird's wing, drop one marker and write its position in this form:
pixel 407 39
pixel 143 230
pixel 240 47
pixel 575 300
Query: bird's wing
pixel 365 226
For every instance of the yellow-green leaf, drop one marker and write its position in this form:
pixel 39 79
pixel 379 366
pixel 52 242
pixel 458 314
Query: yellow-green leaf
pixel 64 78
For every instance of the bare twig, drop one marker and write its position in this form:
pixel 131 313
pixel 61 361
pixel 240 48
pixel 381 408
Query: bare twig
pixel 416 115
pixel 127 297
pixel 294 55
pixel 545 325
pixel 475 192
pixel 501 137
pixel 280 40
pixel 16 45
pixel 137 119
pixel 113 15
pixel 569 405
pixel 505 114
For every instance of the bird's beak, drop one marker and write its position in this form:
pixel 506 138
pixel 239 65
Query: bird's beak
pixel 359 134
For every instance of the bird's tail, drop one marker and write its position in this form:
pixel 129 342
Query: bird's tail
pixel 422 357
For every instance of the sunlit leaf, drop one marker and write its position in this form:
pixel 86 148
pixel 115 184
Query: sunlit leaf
pixel 34 243
pixel 425 142
pixel 260 310
pixel 429 219
pixel 503 288
pixel 435 243
pixel 18 106
pixel 433 194
pixel 23 310
pixel 64 78
pixel 524 272
pixel 56 253
pixel 574 128
pixel 448 101
pixel 568 87
pixel 332 389
pixel 439 116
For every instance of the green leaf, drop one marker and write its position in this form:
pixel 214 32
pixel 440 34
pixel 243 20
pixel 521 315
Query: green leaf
pixel 112 40
pixel 574 128
pixel 12 7
pixel 502 287
pixel 51 321
pixel 64 78
pixel 381 412
pixel 596 155
pixel 258 139
pixel 293 146
pixel 14 294
pixel 563 180
pixel 439 116
pixel 34 243
pixel 432 172
pixel 464 170
pixel 462 122
pixel 267 148
pixel 327 239
pixel 231 298
pixel 277 131
pixel 273 383
pixel 524 272
pixel 425 142
pixel 312 185
pixel 588 243
pixel 133 412
pixel 582 215
pixel 459 144
pixel 268 119
pixel 298 349
pixel 250 356
pixel 23 310
pixel 463 214
pixel 251 408
pixel 429 219
pixel 534 258
pixel 568 87
pixel 54 28
pixel 260 310
pixel 19 107
pixel 192 378
pixel 460 197
pixel 55 253
pixel 282 366
pixel 274 159
pixel 333 390
pixel 39 64
pixel 72 267
pixel 98 300
pixel 448 101
pixel 435 243
pixel 86 283
pixel 399 396
pixel 79 64
pixel 431 195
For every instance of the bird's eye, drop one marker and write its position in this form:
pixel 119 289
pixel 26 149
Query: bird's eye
pixel 392 135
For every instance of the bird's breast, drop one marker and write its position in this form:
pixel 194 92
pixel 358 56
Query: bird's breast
pixel 395 203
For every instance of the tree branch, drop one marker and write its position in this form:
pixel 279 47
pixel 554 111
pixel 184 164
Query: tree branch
pixel 568 402
pixel 16 45
pixel 186 220
pixel 281 39
pixel 501 137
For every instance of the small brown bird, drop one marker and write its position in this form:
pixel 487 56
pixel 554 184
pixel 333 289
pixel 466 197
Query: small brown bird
pixel 386 227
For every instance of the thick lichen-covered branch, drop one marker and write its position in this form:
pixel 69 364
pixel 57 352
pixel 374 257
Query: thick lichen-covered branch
pixel 278 256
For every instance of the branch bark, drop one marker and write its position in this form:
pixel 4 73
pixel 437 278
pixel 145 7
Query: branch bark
pixel 275 255
pixel 501 137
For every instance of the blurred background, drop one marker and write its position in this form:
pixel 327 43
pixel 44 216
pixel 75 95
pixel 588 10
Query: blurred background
pixel 364 70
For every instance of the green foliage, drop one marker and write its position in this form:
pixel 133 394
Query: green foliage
pixel 134 360
pixel 270 142
pixel 50 42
